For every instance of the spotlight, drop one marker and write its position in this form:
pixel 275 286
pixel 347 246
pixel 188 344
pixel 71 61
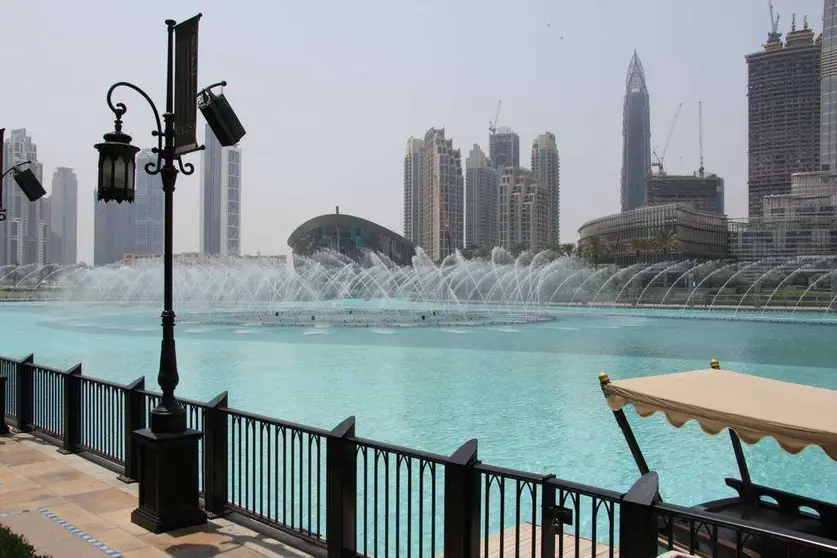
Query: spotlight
pixel 221 117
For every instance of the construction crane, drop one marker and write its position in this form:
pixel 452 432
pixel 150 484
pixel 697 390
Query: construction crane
pixel 492 124
pixel 700 137
pixel 774 34
pixel 661 157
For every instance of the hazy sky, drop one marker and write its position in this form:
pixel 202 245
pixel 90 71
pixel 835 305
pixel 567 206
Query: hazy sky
pixel 329 91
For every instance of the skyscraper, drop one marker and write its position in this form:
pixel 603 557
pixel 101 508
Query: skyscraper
pixel 131 228
pixel 480 200
pixel 828 101
pixel 504 149
pixel 23 234
pixel 149 203
pixel 783 94
pixel 442 196
pixel 63 221
pixel 412 190
pixel 636 134
pixel 220 198
pixel 546 166
pixel 114 230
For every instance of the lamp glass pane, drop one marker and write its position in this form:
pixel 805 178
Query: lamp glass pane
pixel 131 170
pixel 106 174
pixel 119 174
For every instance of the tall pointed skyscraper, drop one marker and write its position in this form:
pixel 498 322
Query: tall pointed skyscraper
pixel 636 133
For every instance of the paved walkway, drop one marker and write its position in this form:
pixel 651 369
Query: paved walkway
pixel 68 506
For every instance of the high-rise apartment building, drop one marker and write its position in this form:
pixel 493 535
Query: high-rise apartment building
pixel 636 137
pixel 828 88
pixel 523 211
pixel 480 200
pixel 784 92
pixel 504 149
pixel 442 196
pixel 149 204
pixel 220 198
pixel 412 190
pixel 546 166
pixel 62 244
pixel 23 234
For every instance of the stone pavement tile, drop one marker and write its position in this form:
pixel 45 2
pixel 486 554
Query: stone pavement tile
pixel 84 484
pixel 73 514
pixel 28 495
pixel 104 530
pixel 12 454
pixel 36 470
pixel 194 539
pixel 16 482
pixel 147 552
pixel 122 519
pixel 125 543
pixel 104 501
pixel 242 552
pixel 48 537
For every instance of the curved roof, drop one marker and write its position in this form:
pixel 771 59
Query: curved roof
pixel 342 219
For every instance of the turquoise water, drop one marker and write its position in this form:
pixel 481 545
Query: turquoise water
pixel 529 393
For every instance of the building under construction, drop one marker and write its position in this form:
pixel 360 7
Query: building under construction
pixel 704 193
pixel 784 112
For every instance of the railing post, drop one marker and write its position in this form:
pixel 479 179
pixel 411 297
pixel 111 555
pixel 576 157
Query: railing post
pixel 215 456
pixel 341 491
pixel 547 518
pixel 4 428
pixel 72 410
pixel 638 531
pixel 134 420
pixel 462 503
pixel 25 396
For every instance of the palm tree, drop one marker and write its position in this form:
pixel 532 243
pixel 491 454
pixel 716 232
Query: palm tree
pixel 666 241
pixel 594 249
pixel 568 249
pixel 638 245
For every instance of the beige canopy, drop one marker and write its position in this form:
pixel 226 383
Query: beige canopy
pixel 754 407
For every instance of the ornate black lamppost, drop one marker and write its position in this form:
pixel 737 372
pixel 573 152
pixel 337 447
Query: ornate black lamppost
pixel 168 451
pixel 25 178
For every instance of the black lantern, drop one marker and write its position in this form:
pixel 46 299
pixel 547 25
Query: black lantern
pixel 117 167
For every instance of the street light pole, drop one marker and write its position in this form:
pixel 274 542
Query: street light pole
pixel 168 416
pixel 168 450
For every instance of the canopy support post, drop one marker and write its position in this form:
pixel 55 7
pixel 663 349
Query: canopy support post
pixel 741 460
pixel 625 426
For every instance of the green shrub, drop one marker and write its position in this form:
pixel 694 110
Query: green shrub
pixel 15 546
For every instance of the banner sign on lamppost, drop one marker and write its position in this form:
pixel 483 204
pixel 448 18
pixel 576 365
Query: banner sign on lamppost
pixel 186 85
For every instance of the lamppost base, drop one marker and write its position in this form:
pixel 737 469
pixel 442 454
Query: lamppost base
pixel 168 480
pixel 168 420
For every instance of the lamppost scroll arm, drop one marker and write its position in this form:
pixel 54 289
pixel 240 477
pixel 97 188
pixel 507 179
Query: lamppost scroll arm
pixel 119 109
pixel 187 168
pixel 14 168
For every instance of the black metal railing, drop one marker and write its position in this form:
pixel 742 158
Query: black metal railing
pixel 354 496
pixel 48 402
pixel 276 472
pixel 102 430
